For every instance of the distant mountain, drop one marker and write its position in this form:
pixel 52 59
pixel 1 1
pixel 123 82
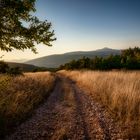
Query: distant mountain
pixel 18 60
pixel 54 61
pixel 22 66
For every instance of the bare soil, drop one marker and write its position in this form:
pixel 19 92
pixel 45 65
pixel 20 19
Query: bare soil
pixel 68 114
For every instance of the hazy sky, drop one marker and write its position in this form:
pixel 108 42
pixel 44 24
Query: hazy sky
pixel 82 25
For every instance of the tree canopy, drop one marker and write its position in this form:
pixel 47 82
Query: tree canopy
pixel 19 29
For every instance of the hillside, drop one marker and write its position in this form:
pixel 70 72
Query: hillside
pixel 23 67
pixel 53 61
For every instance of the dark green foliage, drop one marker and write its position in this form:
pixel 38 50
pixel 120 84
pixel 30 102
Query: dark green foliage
pixel 39 69
pixel 42 69
pixel 21 30
pixel 131 58
pixel 128 59
pixel 14 71
pixel 4 68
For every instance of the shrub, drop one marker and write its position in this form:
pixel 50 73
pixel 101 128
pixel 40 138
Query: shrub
pixel 3 67
pixel 15 71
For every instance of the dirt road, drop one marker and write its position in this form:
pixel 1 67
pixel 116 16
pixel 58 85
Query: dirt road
pixel 69 113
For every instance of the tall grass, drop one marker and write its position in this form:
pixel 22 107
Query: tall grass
pixel 20 95
pixel 117 90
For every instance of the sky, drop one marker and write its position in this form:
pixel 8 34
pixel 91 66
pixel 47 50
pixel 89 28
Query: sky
pixel 84 25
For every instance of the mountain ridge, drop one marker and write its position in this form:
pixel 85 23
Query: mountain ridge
pixel 55 60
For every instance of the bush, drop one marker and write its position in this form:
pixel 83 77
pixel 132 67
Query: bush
pixel 3 67
pixel 15 71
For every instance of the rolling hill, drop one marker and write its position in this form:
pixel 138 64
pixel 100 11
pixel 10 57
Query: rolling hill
pixel 22 66
pixel 54 61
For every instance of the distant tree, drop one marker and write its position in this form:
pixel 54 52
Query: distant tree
pixel 132 52
pixel 96 63
pixel 130 58
pixel 3 67
pixel 112 62
pixel 85 63
pixel 21 30
pixel 15 71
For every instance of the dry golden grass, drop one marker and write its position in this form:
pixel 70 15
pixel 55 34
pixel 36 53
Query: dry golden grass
pixel 20 95
pixel 117 90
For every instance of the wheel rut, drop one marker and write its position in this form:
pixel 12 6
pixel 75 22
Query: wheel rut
pixel 68 114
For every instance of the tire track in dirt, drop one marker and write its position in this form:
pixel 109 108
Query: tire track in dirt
pixel 96 122
pixel 91 119
pixel 56 119
pixel 68 114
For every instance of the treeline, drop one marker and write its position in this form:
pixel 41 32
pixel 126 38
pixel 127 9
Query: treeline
pixel 5 69
pixel 128 59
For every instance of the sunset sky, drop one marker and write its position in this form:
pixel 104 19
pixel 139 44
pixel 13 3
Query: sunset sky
pixel 83 25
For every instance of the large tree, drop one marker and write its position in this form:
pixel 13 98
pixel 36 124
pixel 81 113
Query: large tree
pixel 19 29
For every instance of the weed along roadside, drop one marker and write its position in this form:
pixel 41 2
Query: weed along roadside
pixel 117 91
pixel 71 113
pixel 79 105
pixel 20 95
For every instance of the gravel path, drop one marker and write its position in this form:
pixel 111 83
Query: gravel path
pixel 68 114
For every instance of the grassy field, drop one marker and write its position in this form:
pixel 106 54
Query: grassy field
pixel 20 95
pixel 118 91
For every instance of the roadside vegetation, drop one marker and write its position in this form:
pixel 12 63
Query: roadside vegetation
pixel 20 95
pixel 118 91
